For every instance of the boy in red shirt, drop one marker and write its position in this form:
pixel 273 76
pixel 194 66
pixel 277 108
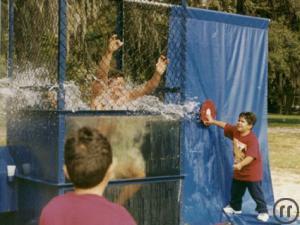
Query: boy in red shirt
pixel 88 160
pixel 247 166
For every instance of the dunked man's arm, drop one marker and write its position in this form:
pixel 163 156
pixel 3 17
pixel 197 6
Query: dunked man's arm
pixel 153 83
pixel 104 64
pixel 103 68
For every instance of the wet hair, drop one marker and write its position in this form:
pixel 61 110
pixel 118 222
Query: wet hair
pixel 250 117
pixel 88 156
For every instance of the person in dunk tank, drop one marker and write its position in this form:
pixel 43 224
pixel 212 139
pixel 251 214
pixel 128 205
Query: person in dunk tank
pixel 112 92
pixel 248 161
pixel 124 133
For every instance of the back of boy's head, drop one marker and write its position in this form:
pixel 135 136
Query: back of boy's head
pixel 88 156
pixel 250 117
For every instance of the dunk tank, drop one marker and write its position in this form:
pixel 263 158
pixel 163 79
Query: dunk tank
pixel 171 169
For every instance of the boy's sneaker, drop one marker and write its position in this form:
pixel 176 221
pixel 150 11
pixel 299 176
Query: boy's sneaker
pixel 263 217
pixel 229 210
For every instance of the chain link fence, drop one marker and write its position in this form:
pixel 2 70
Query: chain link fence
pixel 35 53
pixel 149 32
pixel 4 37
pixel 143 31
pixel 3 66
pixel 36 36
pixel 98 75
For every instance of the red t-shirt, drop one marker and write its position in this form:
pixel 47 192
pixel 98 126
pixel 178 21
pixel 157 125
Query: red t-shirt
pixel 253 171
pixel 88 209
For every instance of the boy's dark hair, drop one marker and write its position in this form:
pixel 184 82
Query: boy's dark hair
pixel 88 156
pixel 250 117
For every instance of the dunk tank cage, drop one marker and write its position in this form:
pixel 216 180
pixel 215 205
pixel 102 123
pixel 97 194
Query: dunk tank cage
pixel 181 168
pixel 66 38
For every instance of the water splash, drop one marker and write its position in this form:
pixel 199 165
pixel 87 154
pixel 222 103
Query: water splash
pixel 22 90
pixel 153 104
pixel 32 89
pixel 169 111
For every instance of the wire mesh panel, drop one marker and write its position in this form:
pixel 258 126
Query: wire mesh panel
pixel 154 203
pixel 35 52
pixel 146 37
pixel 36 33
pixel 3 66
pixel 117 52
pixel 113 71
pixel 147 27
pixel 90 24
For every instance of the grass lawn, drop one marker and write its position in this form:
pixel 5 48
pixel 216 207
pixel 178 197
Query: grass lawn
pixel 284 150
pixel 284 142
pixel 276 120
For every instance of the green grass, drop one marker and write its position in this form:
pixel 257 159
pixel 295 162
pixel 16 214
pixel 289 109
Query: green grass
pixel 283 120
pixel 284 142
pixel 284 151
pixel 290 125
pixel 280 116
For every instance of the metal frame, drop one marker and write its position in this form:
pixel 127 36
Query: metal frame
pixel 62 53
pixel 62 114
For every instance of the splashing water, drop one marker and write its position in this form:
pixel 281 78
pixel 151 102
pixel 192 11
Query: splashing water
pixel 33 89
pixel 153 104
pixel 169 111
pixel 5 93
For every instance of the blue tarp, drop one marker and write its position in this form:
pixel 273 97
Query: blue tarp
pixel 226 61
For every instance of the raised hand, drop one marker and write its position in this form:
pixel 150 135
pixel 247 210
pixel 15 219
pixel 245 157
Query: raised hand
pixel 161 64
pixel 209 120
pixel 114 43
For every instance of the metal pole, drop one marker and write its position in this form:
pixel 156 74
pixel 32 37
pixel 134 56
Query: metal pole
pixel 62 56
pixel 183 39
pixel 10 38
pixel 62 53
